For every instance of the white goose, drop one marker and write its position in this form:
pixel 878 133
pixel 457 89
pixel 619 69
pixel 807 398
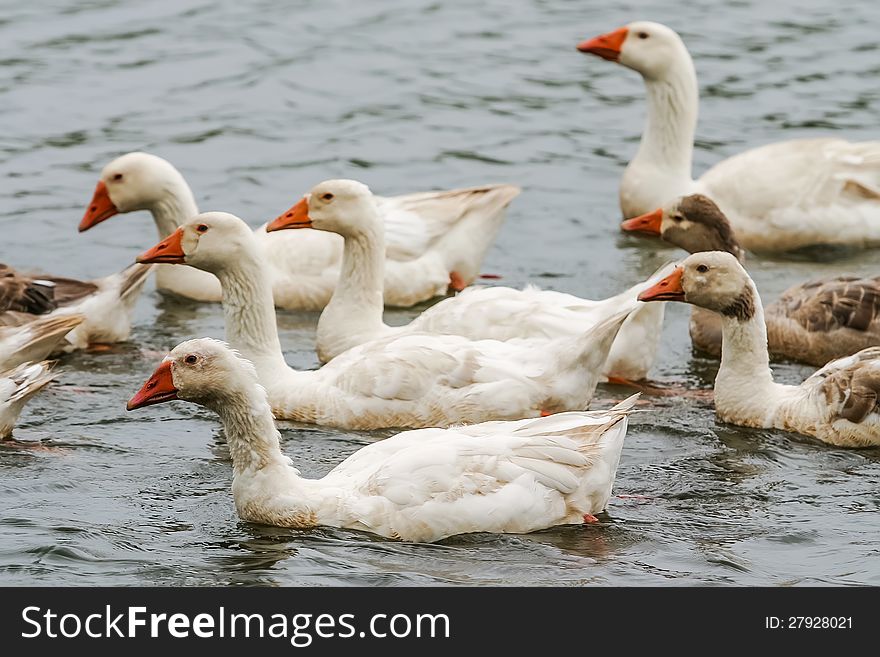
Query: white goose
pixel 354 314
pixel 17 386
pixel 25 339
pixel 425 485
pixel 104 305
pixel 436 239
pixel 414 380
pixel 837 404
pixel 781 196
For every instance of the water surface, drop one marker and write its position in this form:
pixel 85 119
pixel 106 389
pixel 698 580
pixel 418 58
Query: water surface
pixel 255 102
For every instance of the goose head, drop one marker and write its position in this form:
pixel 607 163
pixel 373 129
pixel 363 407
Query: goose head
pixel 646 47
pixel 134 181
pixel 211 241
pixel 714 280
pixel 693 223
pixel 204 371
pixel 346 207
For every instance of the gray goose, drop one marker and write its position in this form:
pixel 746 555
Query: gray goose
pixel 813 323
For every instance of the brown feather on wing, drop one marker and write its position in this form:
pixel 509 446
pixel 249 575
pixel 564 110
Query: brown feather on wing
pixel 843 302
pixel 24 294
pixel 70 290
pixel 855 386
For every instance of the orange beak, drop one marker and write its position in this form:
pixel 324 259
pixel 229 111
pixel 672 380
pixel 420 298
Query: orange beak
pixel 158 388
pixel 99 209
pixel 169 250
pixel 647 223
pixel 606 46
pixel 667 289
pixel 296 217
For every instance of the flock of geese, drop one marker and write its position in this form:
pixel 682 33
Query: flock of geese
pixel 492 382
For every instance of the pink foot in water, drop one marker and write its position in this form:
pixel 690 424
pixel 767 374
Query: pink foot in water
pixel 456 282
pixel 590 519
pixel 99 347
pixel 490 277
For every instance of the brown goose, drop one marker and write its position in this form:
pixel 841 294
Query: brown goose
pixel 837 404
pixel 25 293
pixel 104 305
pixel 813 323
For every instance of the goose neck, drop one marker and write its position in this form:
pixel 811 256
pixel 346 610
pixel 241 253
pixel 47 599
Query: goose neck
pixel 668 138
pixel 176 204
pixel 358 300
pixel 249 314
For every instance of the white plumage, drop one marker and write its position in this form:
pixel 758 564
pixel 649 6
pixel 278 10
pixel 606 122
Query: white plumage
pixel 421 485
pixel 778 197
pixel 431 235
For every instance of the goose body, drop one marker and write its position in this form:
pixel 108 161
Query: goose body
pixel 105 305
pixel 435 237
pixel 837 404
pixel 354 314
pixel 413 380
pixel 812 322
pixel 423 485
pixel 24 338
pixel 778 197
pixel 17 386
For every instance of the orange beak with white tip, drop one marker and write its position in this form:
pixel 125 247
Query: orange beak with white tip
pixel 666 289
pixel 649 223
pixel 606 46
pixel 100 208
pixel 296 217
pixel 158 388
pixel 168 251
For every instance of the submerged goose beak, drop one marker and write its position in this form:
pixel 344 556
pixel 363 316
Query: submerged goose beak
pixel 296 217
pixel 158 388
pixel 169 250
pixel 647 223
pixel 99 209
pixel 667 289
pixel 606 46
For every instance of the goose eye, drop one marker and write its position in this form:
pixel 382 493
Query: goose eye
pixel 327 197
pixel 191 359
pixel 118 176
pixel 202 228
pixel 643 35
pixel 702 268
pixel 677 218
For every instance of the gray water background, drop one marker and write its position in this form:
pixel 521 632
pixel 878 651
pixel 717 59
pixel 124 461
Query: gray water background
pixel 257 101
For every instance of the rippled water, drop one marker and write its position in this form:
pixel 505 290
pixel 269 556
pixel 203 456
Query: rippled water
pixel 258 101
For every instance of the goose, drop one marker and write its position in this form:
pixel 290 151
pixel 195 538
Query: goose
pixel 813 322
pixel 422 485
pixel 24 338
pixel 837 404
pixel 413 381
pixel 778 197
pixel 354 314
pixel 17 386
pixel 104 305
pixel 436 239
pixel 25 293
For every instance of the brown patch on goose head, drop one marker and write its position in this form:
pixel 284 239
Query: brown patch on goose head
pixel 696 224
pixel 741 308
